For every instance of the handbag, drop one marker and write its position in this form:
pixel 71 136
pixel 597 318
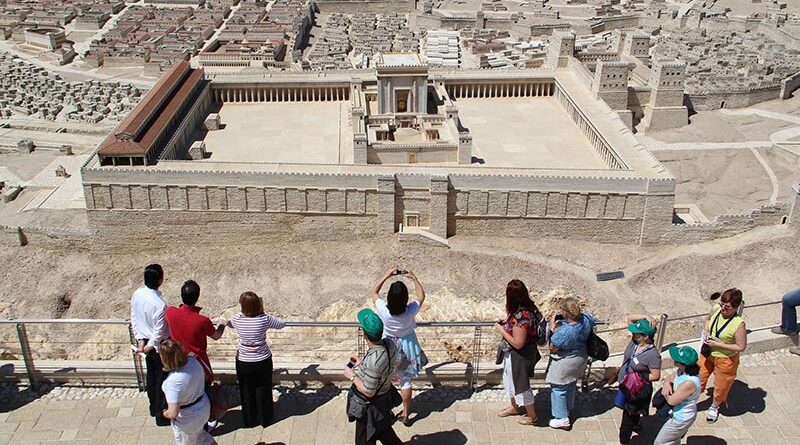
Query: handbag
pixel 596 347
pixel 220 401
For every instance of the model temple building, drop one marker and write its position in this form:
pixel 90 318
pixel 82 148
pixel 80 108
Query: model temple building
pixel 397 148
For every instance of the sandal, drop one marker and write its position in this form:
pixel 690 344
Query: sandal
pixel 510 411
pixel 525 420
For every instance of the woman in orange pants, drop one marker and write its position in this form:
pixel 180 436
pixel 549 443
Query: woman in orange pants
pixel 727 337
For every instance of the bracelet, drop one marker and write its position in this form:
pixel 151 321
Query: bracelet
pixel 353 378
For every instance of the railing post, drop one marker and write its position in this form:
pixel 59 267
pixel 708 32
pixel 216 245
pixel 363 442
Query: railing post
pixel 25 347
pixel 661 333
pixel 137 361
pixel 476 358
pixel 360 342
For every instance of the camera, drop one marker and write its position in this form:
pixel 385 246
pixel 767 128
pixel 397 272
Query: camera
pixel 705 349
pixel 352 363
pixel 399 271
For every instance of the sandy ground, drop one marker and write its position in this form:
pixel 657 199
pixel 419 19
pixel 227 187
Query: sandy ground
pixel 714 126
pixel 330 281
pixel 727 181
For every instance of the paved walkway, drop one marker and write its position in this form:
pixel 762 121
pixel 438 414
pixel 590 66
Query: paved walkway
pixel 763 410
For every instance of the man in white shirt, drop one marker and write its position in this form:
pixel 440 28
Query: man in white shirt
pixel 150 328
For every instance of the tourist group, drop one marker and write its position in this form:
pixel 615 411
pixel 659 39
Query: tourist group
pixel 173 341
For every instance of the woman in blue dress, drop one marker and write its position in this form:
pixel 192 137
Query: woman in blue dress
pixel 399 324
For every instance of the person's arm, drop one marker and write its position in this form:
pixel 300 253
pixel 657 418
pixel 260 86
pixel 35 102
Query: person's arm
pixel 738 346
pixel 160 328
pixel 420 292
pixel 172 411
pixel 666 390
pixel 655 375
pixel 216 333
pixel 376 288
pixel 517 337
pixel 139 342
pixel 275 322
pixel 681 393
pixel 350 373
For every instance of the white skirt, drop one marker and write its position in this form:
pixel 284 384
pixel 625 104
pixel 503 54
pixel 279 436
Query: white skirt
pixel 524 398
pixel 188 426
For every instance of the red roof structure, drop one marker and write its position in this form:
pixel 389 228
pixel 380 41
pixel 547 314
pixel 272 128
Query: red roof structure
pixel 137 133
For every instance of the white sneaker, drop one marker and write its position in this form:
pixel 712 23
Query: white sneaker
pixel 211 425
pixel 712 414
pixel 560 424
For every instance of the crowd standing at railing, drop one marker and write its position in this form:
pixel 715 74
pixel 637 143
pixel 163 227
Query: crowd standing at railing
pixel 179 378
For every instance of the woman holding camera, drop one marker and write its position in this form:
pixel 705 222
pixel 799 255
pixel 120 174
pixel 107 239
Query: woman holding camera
pixel 519 351
pixel 568 358
pixel 727 338
pixel 399 323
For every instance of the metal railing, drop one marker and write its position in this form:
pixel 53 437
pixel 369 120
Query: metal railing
pixel 98 352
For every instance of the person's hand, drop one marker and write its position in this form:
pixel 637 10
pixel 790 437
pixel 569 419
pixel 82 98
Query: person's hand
pixel 499 328
pixel 390 271
pixel 349 372
pixel 410 274
pixel 147 349
pixel 713 344
pixel 222 322
pixel 666 391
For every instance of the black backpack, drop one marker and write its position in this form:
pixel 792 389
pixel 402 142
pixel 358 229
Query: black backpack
pixel 542 327
pixel 596 347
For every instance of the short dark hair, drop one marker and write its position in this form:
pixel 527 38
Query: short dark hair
pixel 397 298
pixel 692 369
pixel 372 339
pixel 732 296
pixel 518 297
pixel 252 305
pixel 153 274
pixel 190 292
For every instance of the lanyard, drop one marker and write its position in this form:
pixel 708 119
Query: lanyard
pixel 634 355
pixel 715 323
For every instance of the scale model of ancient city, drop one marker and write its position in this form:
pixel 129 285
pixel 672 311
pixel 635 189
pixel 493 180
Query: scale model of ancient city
pixel 638 122
pixel 640 155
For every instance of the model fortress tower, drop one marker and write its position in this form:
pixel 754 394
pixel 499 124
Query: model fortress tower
pixel 665 109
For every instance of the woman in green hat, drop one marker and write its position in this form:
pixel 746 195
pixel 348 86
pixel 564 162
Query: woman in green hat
pixel 681 389
pixel 643 358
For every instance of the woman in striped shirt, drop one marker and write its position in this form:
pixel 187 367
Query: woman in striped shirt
pixel 254 359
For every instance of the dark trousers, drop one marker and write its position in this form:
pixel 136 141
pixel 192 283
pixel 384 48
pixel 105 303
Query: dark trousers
pixel 387 436
pixel 630 422
pixel 155 377
pixel 255 389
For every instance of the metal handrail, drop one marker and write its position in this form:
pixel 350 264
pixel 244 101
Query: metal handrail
pixel 28 360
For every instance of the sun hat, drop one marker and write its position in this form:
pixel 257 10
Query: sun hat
pixel 641 327
pixel 685 355
pixel 370 323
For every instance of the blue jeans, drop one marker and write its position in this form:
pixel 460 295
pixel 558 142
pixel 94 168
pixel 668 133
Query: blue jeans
pixel 790 301
pixel 562 399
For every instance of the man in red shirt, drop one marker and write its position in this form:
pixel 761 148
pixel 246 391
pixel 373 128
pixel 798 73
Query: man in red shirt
pixel 190 329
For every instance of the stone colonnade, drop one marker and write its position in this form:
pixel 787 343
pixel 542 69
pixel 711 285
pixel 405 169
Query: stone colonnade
pixel 281 94
pixel 506 89
pixel 588 130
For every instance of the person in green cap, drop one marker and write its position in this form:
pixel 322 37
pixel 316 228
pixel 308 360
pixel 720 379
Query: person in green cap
pixel 643 358
pixel 681 389
pixel 372 381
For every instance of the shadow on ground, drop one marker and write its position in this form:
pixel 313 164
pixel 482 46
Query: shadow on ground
pixel 741 400
pixel 16 395
pixel 296 401
pixel 452 437
pixel 435 400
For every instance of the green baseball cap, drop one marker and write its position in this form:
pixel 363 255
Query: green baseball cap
pixel 370 323
pixel 685 355
pixel 641 327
